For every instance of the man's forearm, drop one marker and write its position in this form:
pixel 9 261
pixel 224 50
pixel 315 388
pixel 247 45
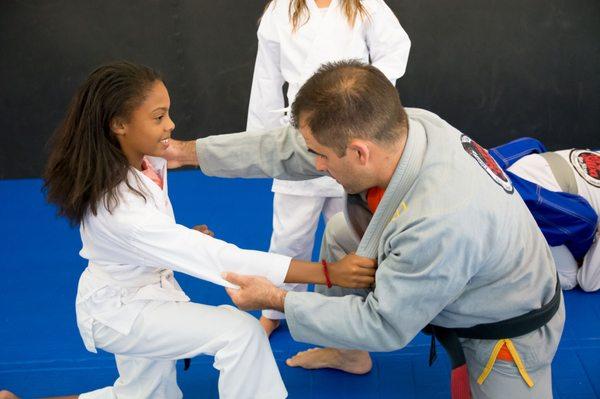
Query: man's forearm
pixel 188 153
pixel 181 153
pixel 277 301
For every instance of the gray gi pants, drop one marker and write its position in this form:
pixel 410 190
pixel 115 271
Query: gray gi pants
pixel 504 381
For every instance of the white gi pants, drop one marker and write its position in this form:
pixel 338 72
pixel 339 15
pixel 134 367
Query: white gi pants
pixel 503 382
pixel 571 274
pixel 295 221
pixel 167 331
pixel 566 266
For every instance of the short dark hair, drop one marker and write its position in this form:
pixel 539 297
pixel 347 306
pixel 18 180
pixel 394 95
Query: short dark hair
pixel 86 163
pixel 350 99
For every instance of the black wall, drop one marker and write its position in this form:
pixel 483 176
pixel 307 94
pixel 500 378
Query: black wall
pixel 494 69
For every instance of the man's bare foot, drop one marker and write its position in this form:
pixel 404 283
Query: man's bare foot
pixel 269 325
pixel 7 395
pixel 350 361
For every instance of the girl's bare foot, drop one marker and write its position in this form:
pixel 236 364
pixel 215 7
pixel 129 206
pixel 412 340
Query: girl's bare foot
pixel 269 325
pixel 9 395
pixel 350 361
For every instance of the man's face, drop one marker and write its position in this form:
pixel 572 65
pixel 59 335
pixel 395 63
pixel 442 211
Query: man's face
pixel 345 170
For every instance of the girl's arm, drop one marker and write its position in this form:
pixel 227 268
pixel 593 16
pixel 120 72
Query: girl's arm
pixel 154 240
pixel 388 43
pixel 266 94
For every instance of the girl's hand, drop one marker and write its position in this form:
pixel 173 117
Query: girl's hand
pixel 353 271
pixel 202 228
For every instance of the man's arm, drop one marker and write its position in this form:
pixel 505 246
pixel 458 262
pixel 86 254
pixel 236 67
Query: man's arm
pixel 411 290
pixel 280 153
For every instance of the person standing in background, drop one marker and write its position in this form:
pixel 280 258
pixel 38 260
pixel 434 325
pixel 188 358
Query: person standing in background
pixel 295 37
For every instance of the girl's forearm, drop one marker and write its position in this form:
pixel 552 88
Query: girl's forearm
pixel 305 272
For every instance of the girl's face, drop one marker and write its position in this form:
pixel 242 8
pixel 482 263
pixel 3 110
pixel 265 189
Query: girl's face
pixel 149 128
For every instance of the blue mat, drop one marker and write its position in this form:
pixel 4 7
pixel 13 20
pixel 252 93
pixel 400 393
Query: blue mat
pixel 42 354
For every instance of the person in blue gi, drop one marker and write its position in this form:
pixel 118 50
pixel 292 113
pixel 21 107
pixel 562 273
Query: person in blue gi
pixel 562 191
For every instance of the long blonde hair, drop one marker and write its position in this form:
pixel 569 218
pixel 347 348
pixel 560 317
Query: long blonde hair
pixel 299 15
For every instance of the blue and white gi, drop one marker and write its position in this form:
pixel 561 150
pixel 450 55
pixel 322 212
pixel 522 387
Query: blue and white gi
pixel 562 191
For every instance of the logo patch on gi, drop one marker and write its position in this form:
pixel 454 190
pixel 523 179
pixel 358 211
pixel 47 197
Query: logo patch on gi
pixel 485 160
pixel 587 164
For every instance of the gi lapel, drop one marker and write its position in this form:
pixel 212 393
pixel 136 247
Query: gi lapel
pixel 405 175
pixel 322 25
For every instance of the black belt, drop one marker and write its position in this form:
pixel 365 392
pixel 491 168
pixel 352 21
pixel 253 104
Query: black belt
pixel 509 328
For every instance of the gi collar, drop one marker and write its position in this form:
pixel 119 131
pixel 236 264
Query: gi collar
pixel 402 180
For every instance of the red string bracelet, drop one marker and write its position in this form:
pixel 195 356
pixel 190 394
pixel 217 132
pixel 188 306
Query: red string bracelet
pixel 326 272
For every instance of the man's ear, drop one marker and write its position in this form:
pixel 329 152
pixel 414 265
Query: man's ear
pixel 118 126
pixel 360 150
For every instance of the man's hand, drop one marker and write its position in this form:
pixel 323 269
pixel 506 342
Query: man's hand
pixel 353 271
pixel 202 228
pixel 255 292
pixel 181 153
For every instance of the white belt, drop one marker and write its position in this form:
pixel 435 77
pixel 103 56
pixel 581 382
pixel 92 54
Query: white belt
pixel 161 277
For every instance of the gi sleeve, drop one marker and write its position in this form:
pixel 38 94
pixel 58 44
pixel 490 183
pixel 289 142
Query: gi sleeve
pixel 388 43
pixel 266 94
pixel 280 153
pixel 155 240
pixel 414 284
pixel 507 154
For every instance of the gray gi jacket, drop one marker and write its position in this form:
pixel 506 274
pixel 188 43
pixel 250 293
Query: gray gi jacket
pixel 456 246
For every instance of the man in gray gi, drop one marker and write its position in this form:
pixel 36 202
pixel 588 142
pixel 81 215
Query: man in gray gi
pixel 459 254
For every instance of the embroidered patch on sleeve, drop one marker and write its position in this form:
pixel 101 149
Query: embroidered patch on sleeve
pixel 587 164
pixel 485 160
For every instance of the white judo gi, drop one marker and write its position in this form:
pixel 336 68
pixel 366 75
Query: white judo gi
pixel 535 168
pixel 128 302
pixel 288 56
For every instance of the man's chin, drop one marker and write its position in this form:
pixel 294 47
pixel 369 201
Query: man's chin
pixel 351 190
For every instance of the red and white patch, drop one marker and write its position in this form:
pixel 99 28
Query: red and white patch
pixel 485 160
pixel 587 164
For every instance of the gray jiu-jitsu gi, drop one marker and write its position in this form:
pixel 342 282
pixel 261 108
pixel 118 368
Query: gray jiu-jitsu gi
pixel 456 247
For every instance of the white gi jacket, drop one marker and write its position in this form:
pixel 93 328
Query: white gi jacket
pixel 134 249
pixel 293 57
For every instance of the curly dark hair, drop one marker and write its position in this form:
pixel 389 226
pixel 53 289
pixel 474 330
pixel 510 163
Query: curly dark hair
pixel 86 163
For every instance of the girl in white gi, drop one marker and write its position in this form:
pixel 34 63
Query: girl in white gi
pixel 294 38
pixel 104 174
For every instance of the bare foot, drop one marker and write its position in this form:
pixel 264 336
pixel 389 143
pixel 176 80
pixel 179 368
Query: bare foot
pixel 350 361
pixel 7 395
pixel 268 324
